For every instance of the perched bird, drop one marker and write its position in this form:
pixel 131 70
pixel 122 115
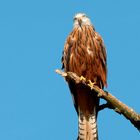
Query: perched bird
pixel 85 54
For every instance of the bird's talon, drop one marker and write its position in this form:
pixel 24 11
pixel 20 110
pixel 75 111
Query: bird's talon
pixel 91 84
pixel 82 78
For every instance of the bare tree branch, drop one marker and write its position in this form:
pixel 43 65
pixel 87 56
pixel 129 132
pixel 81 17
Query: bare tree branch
pixel 112 102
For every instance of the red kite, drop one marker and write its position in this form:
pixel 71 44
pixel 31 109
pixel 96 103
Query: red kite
pixel 85 54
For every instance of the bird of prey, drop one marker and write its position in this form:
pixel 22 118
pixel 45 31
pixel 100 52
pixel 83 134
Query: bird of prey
pixel 85 54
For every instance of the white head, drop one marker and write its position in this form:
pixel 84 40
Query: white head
pixel 81 19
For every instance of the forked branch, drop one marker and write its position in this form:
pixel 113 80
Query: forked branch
pixel 112 102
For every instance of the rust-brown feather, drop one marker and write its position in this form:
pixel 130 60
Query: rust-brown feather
pixel 77 59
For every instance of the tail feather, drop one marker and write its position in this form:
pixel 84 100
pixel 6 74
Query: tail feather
pixel 86 104
pixel 87 127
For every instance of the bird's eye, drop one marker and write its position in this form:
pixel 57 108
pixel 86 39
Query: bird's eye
pixel 74 18
pixel 84 16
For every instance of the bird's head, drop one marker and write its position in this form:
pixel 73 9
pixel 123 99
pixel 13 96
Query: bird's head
pixel 81 19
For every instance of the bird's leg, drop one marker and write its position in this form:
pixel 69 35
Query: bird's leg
pixel 91 84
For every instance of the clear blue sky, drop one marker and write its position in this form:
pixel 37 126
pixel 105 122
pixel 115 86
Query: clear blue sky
pixel 35 103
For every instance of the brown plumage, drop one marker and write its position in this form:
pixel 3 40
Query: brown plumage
pixel 85 54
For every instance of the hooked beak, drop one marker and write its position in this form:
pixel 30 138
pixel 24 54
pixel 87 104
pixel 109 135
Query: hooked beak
pixel 80 22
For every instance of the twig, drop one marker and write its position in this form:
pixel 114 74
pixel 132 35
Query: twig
pixel 103 106
pixel 112 102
